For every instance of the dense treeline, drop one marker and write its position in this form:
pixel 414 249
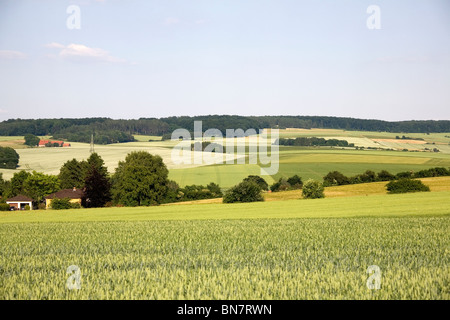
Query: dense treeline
pixel 42 127
pixel 336 178
pixel 83 134
pixel 164 126
pixel 307 122
pixel 314 142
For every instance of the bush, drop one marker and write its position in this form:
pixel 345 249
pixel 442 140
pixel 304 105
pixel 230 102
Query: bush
pixel 280 185
pixel 295 181
pixel 214 189
pixel 27 207
pixel 405 174
pixel 335 178
pixel 259 181
pixel 406 185
pixel 384 175
pixel 4 207
pixel 313 189
pixel 61 204
pixel 246 191
pixel 75 205
pixel 433 172
pixel 41 206
pixel 368 176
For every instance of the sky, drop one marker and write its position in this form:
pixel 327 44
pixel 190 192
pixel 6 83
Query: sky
pixel 156 58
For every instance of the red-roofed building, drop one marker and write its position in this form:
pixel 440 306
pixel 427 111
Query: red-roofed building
pixel 45 143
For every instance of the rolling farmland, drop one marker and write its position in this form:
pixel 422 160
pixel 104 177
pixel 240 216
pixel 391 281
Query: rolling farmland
pixel 306 162
pixel 283 248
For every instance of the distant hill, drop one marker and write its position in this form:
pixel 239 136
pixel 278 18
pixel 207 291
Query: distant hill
pixel 111 131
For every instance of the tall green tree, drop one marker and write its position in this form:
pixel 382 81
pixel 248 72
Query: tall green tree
pixel 31 140
pixel 73 174
pixel 96 182
pixel 38 185
pixel 9 158
pixel 140 180
pixel 3 185
pixel 16 185
pixel 96 161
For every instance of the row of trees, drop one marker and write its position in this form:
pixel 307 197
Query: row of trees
pixel 84 133
pixel 152 126
pixel 140 180
pixel 90 175
pixel 251 188
pixel 314 142
pixel 336 178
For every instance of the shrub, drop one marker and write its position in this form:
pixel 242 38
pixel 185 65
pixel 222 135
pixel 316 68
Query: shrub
pixel 433 172
pixel 280 185
pixel 384 175
pixel 335 178
pixel 405 185
pixel 246 191
pixel 295 181
pixel 368 176
pixel 75 205
pixel 61 204
pixel 259 181
pixel 4 207
pixel 313 189
pixel 41 206
pixel 405 174
pixel 27 207
pixel 214 189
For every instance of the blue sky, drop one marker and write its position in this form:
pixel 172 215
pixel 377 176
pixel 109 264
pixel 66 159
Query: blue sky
pixel 133 59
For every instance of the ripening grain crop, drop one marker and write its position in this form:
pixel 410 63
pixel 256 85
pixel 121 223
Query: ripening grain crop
pixel 227 259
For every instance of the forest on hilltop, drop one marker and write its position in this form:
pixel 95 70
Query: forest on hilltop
pixel 111 131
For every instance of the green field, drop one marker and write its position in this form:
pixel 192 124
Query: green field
pixel 306 162
pixel 315 132
pixel 315 164
pixel 298 249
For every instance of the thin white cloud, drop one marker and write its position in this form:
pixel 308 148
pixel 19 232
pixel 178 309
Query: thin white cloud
pixel 10 54
pixel 171 20
pixel 80 52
